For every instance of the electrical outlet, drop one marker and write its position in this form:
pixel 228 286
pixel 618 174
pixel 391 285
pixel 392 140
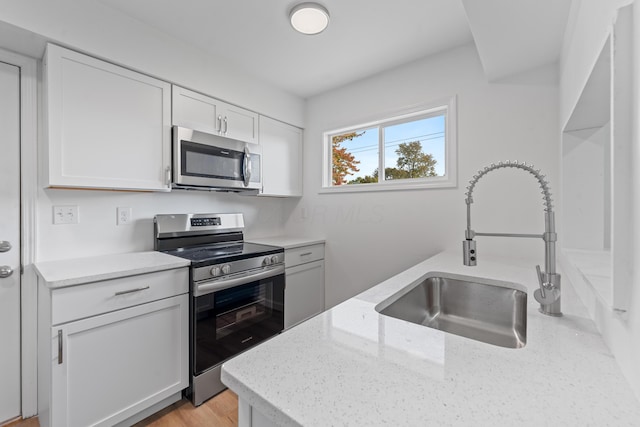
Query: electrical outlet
pixel 124 216
pixel 65 214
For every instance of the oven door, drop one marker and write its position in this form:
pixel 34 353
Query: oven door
pixel 211 161
pixel 230 316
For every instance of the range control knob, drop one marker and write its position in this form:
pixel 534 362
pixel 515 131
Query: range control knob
pixel 215 271
pixel 266 261
pixel 226 269
pixel 274 259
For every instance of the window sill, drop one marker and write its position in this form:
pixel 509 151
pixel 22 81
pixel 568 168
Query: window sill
pixel 389 186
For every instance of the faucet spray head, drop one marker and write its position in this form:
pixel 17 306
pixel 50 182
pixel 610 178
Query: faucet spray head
pixel 469 252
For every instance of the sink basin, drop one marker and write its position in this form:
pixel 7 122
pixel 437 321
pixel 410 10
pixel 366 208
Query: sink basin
pixel 490 311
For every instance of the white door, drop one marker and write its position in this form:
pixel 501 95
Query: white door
pixel 9 242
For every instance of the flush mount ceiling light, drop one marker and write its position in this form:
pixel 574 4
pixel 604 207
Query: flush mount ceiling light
pixel 309 18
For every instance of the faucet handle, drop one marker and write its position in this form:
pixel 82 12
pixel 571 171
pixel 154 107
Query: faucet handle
pixel 540 280
pixel 548 293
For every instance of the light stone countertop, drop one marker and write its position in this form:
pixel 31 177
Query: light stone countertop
pixel 71 272
pixel 287 242
pixel 351 366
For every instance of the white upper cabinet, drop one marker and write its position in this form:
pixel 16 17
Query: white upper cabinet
pixel 106 126
pixel 239 123
pixel 200 112
pixel 195 111
pixel 281 158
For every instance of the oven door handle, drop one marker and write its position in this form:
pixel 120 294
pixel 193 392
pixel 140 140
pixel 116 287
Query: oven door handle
pixel 204 288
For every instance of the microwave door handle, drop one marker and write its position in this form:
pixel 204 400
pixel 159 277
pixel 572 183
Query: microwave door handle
pixel 246 166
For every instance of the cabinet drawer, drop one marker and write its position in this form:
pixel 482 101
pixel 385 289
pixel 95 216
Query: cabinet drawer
pixel 303 254
pixel 77 302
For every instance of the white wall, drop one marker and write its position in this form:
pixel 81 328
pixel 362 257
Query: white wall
pixel 592 21
pixel 589 26
pixel 372 236
pixel 98 234
pixel 586 189
pixel 94 28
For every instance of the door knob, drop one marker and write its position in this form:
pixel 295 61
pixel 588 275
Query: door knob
pixel 5 271
pixel 5 246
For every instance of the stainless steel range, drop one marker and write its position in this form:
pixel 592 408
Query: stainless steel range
pixel 237 291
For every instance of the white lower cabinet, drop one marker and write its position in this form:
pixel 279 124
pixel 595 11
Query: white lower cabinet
pixel 304 276
pixel 105 369
pixel 248 416
pixel 304 294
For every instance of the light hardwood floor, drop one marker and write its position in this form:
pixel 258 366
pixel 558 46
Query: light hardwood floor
pixel 220 411
pixel 29 422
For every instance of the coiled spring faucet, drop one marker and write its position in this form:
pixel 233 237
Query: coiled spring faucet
pixel 548 295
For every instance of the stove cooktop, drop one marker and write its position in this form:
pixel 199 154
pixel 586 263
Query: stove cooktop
pixel 225 252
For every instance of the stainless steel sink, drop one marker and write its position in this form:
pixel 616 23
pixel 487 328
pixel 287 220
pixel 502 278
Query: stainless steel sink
pixel 485 310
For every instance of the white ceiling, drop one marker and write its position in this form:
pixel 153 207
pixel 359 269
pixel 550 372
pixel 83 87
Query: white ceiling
pixel 513 36
pixel 364 37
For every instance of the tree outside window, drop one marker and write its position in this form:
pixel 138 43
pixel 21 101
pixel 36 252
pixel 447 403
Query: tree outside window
pixel 344 163
pixel 409 150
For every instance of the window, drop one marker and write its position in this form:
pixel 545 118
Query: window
pixel 411 150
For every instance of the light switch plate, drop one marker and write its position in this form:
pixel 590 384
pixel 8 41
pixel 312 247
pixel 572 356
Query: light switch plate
pixel 65 215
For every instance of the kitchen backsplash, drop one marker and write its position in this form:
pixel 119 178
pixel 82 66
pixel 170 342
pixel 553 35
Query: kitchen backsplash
pixel 97 233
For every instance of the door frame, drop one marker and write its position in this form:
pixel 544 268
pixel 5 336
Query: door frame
pixel 28 204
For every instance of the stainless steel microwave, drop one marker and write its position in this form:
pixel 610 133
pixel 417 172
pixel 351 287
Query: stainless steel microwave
pixel 202 161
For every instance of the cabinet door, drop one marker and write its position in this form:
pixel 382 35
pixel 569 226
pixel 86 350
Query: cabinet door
pixel 304 292
pixel 196 111
pixel 107 127
pixel 238 123
pixel 112 366
pixel 281 158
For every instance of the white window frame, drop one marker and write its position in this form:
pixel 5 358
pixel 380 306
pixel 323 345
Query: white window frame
pixel 449 179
